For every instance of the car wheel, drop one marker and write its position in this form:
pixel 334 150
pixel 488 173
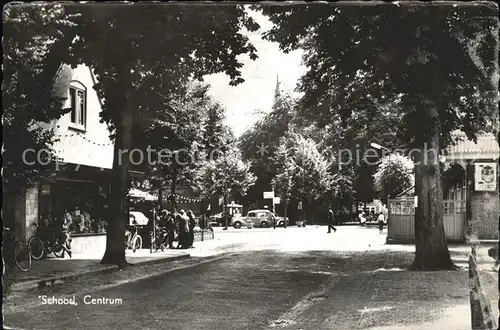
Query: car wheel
pixel 281 223
pixel 237 225
pixel 264 224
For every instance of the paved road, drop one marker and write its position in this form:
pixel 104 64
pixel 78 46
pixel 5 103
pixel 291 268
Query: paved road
pixel 298 279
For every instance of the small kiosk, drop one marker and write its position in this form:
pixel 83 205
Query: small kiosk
pixel 234 210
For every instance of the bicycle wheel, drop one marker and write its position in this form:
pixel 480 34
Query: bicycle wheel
pixel 137 244
pixel 36 248
pixel 57 249
pixel 22 256
pixel 165 244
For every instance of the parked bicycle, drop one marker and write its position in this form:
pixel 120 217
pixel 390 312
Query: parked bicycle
pixel 17 251
pixel 133 240
pixel 46 241
pixel 161 241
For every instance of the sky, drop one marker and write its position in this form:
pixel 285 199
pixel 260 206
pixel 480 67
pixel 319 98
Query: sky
pixel 246 103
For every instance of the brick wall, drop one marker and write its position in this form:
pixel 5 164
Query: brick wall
pixel 485 208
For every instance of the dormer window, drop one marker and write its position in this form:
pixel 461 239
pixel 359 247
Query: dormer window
pixel 78 105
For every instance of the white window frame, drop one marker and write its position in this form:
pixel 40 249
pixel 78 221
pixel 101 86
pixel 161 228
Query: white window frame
pixel 78 106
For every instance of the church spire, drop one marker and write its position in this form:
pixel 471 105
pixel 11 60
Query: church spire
pixel 277 92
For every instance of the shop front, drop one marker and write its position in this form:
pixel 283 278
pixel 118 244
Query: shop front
pixel 77 197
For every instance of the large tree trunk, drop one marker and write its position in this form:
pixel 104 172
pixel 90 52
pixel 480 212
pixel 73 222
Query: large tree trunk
pixel 115 240
pixel 431 249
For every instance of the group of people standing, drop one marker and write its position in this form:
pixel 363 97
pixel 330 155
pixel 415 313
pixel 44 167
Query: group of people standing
pixel 380 217
pixel 179 226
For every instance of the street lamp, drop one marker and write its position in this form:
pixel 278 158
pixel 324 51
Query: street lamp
pixel 378 146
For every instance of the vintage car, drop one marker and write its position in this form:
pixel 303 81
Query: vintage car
pixel 260 218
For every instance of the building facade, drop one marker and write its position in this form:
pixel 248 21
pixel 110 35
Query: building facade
pixel 77 184
pixel 470 194
pixel 469 167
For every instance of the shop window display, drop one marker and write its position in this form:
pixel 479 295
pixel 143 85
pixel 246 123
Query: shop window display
pixel 79 205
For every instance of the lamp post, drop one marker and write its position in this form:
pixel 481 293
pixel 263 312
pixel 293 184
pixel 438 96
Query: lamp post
pixel 225 195
pixel 274 210
pixel 379 147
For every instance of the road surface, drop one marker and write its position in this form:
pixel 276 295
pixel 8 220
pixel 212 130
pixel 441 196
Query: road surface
pixel 283 280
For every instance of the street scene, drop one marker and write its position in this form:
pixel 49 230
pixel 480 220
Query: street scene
pixel 231 166
pixel 294 278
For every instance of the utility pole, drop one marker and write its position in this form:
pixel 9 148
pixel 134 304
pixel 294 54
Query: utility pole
pixel 225 207
pixel 286 205
pixel 274 210
pixel 225 196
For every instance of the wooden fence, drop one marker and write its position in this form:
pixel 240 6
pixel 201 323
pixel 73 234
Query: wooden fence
pixel 401 220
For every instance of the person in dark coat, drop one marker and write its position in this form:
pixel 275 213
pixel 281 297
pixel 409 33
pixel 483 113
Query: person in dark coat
pixel 192 224
pixel 171 227
pixel 331 221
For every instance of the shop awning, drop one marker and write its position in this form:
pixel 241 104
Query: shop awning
pixel 136 193
pixel 77 172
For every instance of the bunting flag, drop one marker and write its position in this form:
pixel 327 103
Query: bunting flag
pixel 83 137
pixel 183 199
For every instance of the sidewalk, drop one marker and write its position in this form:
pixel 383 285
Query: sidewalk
pixel 52 270
pixel 376 293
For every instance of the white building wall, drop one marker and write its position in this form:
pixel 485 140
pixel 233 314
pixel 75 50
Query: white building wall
pixel 92 145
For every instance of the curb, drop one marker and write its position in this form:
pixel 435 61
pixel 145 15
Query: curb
pixel 50 281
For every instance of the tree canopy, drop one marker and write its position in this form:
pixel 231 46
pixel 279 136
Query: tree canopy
pixel 442 54
pixel 394 175
pixel 34 38
pixel 226 174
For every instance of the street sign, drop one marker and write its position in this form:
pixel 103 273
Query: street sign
pixel 276 200
pixel 268 194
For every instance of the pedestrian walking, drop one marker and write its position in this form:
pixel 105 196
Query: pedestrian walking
pixel 192 224
pixel 362 219
pixel 331 221
pixel 381 220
